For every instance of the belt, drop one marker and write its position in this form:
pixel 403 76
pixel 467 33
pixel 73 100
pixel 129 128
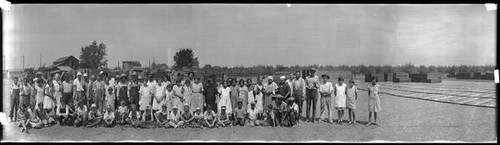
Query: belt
pixel 197 92
pixel 297 90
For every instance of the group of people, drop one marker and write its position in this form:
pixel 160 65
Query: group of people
pixel 178 101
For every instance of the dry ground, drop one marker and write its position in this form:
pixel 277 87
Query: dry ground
pixel 401 119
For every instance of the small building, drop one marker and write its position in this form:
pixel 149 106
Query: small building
pixel 69 61
pixel 128 65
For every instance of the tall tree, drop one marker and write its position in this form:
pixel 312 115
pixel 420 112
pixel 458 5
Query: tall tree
pixel 185 58
pixel 93 56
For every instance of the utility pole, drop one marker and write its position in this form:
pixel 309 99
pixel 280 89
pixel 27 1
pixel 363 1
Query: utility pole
pixel 23 62
pixel 40 60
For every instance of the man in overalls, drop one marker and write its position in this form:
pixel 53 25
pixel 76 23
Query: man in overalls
pixel 14 99
pixel 133 90
pixel 122 92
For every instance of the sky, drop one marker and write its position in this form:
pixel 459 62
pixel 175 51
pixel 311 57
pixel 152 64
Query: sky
pixel 247 35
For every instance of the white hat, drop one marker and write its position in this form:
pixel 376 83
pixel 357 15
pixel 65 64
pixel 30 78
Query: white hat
pixel 79 74
pixel 101 72
pixel 270 77
pixel 56 76
pixel 198 108
pixel 93 105
pixel 186 104
pixel 175 107
pixel 282 77
pixel 85 74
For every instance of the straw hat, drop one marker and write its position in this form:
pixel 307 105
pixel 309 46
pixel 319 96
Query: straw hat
pixel 85 74
pixel 79 73
pixel 198 108
pixel 223 108
pixel 175 107
pixel 93 105
pixel 270 77
pixel 282 77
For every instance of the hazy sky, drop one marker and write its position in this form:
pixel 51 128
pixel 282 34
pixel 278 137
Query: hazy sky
pixel 233 35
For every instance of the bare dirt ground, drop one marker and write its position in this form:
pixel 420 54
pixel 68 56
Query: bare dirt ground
pixel 401 119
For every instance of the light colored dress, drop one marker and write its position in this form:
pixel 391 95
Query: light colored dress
pixel 373 98
pixel 351 97
pixel 40 95
pixel 110 97
pixel 57 92
pixel 243 94
pixel 188 94
pixel 48 103
pixel 169 99
pixel 197 98
pixel 146 97
pixel 259 97
pixel 340 97
pixel 225 100
pixel 251 97
pixel 159 98
pixel 176 100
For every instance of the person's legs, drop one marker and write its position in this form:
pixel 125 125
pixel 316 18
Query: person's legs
pixel 375 118
pixel 12 107
pixel 323 107
pixel 308 103
pixel 314 97
pixel 369 119
pixel 353 116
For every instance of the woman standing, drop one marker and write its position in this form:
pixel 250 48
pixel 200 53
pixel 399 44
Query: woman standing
pixel 188 92
pixel 57 88
pixel 373 101
pixel 159 95
pixel 340 98
pixel 40 92
pixel 210 92
pixel 234 95
pixel 243 92
pixel 48 100
pixel 269 90
pixel 258 96
pixel 224 98
pixel 251 97
pixel 197 99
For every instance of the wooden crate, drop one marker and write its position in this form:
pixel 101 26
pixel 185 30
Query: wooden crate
pixel 388 77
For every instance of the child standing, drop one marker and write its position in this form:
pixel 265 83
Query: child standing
pixel 352 96
pixel 110 95
pixel 169 95
pixel 145 98
pixel 340 98
pixel 373 101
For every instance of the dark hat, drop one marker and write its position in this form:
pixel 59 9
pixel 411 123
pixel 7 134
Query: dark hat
pixel 223 108
pixel 325 76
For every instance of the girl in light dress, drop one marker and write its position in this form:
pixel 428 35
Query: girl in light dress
pixel 258 96
pixel 243 92
pixel 251 97
pixel 352 96
pixel 224 97
pixel 340 98
pixel 373 101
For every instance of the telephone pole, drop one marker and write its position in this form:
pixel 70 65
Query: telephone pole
pixel 40 60
pixel 23 62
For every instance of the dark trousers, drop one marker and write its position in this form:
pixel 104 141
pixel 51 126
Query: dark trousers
pixel 311 99
pixel 299 99
pixel 14 103
pixel 67 97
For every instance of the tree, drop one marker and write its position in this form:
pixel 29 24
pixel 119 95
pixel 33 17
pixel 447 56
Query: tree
pixel 93 56
pixel 185 58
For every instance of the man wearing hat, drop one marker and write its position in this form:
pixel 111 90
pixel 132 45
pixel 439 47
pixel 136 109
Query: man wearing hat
pixel 239 113
pixel 94 116
pixel 14 98
pixel 283 91
pixel 133 90
pixel 78 87
pixel 122 90
pixel 312 86
pixel 269 91
pixel 98 88
pixel 67 86
pixel 326 90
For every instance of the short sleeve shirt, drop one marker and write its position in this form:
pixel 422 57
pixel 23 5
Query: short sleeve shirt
pixel 78 84
pixel 252 113
pixel 240 113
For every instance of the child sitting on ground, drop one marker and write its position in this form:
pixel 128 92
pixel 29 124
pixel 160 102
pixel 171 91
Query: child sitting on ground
pixel 162 117
pixel 240 113
pixel 252 115
pixel 269 117
pixel 147 119
pixel 95 116
pixel 133 117
pixel 223 118
pixel 209 118
pixel 294 111
pixel 64 114
pixel 81 115
pixel 44 117
pixel 175 118
pixel 187 117
pixel 109 117
pixel 198 118
pixel 121 114
pixel 23 119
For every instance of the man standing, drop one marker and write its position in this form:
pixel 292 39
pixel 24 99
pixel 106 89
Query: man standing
pixel 67 90
pixel 98 89
pixel 197 99
pixel 326 90
pixel 299 91
pixel 78 87
pixel 269 91
pixel 133 90
pixel 14 99
pixel 312 81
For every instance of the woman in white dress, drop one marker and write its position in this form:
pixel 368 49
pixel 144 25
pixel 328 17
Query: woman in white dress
pixel 159 94
pixel 40 92
pixel 340 98
pixel 258 96
pixel 373 101
pixel 48 100
pixel 188 92
pixel 224 98
pixel 57 89
pixel 251 97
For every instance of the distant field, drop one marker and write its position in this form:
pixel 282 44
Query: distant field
pixel 466 92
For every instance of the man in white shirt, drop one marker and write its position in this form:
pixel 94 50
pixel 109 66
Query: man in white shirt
pixel 326 90
pixel 252 115
pixel 78 87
